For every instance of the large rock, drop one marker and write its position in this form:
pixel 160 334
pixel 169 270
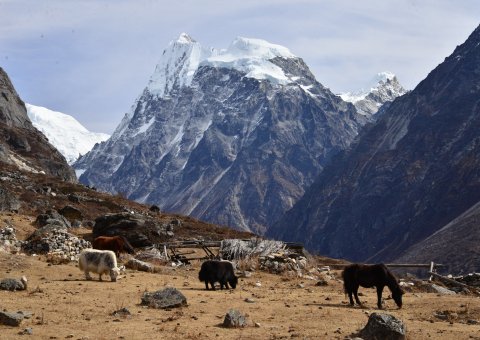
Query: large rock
pixel 13 284
pixel 11 319
pixel 52 217
pixel 166 298
pixel 8 201
pixel 71 213
pixel 139 230
pixel 383 326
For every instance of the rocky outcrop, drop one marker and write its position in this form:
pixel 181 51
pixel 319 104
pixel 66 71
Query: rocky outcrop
pixel 407 176
pixel 139 230
pixel 23 145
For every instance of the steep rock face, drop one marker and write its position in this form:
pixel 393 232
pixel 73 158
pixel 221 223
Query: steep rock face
pixel 20 143
pixel 408 175
pixel 234 141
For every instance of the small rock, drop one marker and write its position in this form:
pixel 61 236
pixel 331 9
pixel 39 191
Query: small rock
pixel 257 325
pixel 234 318
pixel 26 331
pixel 249 300
pixel 472 322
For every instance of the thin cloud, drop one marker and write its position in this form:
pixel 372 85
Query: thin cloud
pixel 92 58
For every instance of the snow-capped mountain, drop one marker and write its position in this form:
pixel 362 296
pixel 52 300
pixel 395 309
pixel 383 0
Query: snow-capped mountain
pixel 382 90
pixel 231 136
pixel 64 132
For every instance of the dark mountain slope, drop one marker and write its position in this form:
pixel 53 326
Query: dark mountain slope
pixel 406 176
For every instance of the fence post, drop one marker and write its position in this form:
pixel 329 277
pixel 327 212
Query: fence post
pixel 432 269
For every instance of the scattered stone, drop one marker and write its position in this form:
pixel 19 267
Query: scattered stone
pixel 122 312
pixel 10 319
pixel 234 318
pixel 166 298
pixel 472 322
pixel 258 284
pixel 442 290
pixel 249 300
pixel 257 325
pixel 13 284
pixel 8 201
pixel 139 265
pixel 245 274
pixel 321 282
pixel 26 331
pixel 383 326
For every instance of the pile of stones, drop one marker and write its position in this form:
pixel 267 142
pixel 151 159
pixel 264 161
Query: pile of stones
pixel 8 241
pixel 58 244
pixel 280 262
pixel 472 279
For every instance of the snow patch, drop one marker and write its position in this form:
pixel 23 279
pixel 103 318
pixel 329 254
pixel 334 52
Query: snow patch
pixel 64 132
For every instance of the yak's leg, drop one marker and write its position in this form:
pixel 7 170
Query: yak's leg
pixel 226 285
pixel 379 296
pixel 355 293
pixel 350 296
pixel 212 283
pixel 206 285
pixel 100 277
pixel 87 275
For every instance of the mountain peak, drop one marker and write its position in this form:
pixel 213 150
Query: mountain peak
pixel 383 88
pixel 184 38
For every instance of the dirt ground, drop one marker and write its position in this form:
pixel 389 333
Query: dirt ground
pixel 65 305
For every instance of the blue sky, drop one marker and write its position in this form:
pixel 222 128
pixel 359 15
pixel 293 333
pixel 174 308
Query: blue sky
pixel 92 58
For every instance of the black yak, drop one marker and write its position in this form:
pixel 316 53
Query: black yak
pixel 218 271
pixel 376 275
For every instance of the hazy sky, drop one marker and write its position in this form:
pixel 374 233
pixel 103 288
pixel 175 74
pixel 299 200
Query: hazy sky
pixel 92 58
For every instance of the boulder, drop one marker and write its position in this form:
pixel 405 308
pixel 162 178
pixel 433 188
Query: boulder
pixel 71 213
pixel 139 230
pixel 13 284
pixel 52 217
pixel 234 318
pixel 139 265
pixel 11 319
pixel 165 298
pixel 382 326
pixel 442 290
